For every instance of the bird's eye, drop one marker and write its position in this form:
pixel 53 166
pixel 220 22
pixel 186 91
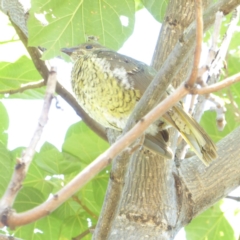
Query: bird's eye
pixel 89 47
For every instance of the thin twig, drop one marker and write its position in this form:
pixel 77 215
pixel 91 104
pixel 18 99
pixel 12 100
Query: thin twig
pixel 85 233
pixel 203 72
pixel 25 87
pixel 23 163
pixel 233 198
pixel 9 41
pixel 198 49
pixel 217 86
pixel 4 237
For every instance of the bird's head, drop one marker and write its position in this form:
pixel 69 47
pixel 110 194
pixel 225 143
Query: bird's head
pixel 82 50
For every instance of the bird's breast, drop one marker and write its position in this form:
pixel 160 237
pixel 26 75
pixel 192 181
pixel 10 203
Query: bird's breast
pixel 106 94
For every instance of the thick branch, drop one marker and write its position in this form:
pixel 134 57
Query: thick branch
pixel 208 185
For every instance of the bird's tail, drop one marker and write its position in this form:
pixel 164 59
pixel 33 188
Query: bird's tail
pixel 192 133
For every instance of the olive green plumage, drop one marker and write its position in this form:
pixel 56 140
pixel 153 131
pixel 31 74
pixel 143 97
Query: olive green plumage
pixel 108 85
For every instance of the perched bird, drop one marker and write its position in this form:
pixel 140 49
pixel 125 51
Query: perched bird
pixel 108 85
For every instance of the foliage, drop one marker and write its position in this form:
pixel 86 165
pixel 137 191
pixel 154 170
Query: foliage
pixel 68 23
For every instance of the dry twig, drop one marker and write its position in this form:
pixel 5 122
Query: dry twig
pixel 23 163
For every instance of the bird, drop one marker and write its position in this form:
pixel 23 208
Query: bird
pixel 108 85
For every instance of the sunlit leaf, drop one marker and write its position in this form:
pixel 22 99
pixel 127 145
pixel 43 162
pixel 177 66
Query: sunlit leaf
pixel 12 75
pixel 83 143
pixel 54 162
pixel 67 23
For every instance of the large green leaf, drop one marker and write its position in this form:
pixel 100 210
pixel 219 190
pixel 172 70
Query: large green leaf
pixel 210 225
pixel 67 209
pixel 93 193
pixel 54 162
pixel 156 7
pixel 46 228
pixel 4 123
pixel 83 143
pixel 36 178
pixel 73 226
pixel 28 198
pixel 70 21
pixel 12 75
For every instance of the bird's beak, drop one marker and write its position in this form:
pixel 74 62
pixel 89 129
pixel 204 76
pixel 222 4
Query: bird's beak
pixel 69 51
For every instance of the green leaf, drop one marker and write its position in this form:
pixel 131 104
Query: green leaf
pixel 68 22
pixel 12 75
pixel 83 143
pixel 233 64
pixel 211 224
pixel 4 124
pixel 67 209
pixel 50 228
pixel 157 8
pixel 93 193
pixel 6 168
pixel 54 162
pixel 47 228
pixel 73 226
pixel 28 198
pixel 208 122
pixel 36 178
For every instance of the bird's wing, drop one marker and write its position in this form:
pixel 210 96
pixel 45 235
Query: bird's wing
pixel 139 74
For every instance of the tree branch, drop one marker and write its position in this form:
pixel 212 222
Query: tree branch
pixel 208 185
pixel 198 49
pixel 24 162
pixel 217 86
